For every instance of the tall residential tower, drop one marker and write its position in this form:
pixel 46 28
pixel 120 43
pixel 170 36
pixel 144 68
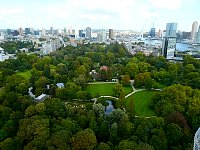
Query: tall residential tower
pixel 194 30
pixel 169 41
pixel 88 32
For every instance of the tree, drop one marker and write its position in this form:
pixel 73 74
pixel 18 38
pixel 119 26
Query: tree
pixel 131 69
pixel 131 109
pixel 85 139
pixel 118 90
pixel 8 144
pixel 103 146
pixel 126 80
pixel 125 144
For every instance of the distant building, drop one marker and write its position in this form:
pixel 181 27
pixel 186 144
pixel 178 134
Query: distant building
pixel 111 34
pixel 197 140
pixel 169 41
pixel 171 29
pixel 88 32
pixel 159 34
pixel 27 31
pixel 194 29
pixel 51 30
pixel 197 39
pixel 101 36
pixel 20 31
pixel 152 32
pixel 9 31
pixel 43 32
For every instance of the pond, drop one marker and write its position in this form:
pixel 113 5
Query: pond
pixel 109 108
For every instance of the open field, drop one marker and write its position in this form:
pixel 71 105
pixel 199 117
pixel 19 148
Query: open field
pixel 142 101
pixel 26 74
pixel 104 89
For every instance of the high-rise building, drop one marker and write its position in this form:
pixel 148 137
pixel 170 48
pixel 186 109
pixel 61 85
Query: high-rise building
pixel 88 32
pixel 197 140
pixel 152 32
pixel 101 36
pixel 32 31
pixel 9 31
pixel 81 34
pixel 43 32
pixel 171 29
pixel 194 29
pixel 51 30
pixel 111 34
pixel 20 31
pixel 197 39
pixel 169 41
pixel 27 31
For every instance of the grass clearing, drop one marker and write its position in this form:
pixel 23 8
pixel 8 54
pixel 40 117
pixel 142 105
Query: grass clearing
pixel 142 102
pixel 100 89
pixel 26 74
pixel 104 89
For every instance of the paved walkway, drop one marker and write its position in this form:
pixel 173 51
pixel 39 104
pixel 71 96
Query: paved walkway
pixel 101 82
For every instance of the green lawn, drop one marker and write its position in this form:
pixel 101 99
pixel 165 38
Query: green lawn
pixel 142 102
pixel 26 74
pixel 100 89
pixel 127 90
pixel 104 89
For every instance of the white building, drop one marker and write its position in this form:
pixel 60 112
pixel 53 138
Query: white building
pixel 101 36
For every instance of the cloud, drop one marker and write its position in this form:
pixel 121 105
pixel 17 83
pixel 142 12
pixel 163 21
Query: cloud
pixel 167 4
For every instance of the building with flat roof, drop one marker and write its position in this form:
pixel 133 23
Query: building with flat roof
pixel 88 33
pixel 111 34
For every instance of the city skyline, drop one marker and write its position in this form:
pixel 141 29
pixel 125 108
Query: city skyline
pixel 116 14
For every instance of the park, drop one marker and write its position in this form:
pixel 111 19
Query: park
pixel 142 98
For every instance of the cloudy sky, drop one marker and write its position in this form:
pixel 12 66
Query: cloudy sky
pixel 117 14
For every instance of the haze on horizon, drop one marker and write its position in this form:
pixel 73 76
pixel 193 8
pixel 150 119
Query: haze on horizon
pixel 116 14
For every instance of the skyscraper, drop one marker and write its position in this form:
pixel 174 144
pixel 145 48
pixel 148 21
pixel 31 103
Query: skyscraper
pixel 111 34
pixel 27 31
pixel 51 30
pixel 152 32
pixel 88 32
pixel 101 36
pixel 171 29
pixel 169 41
pixel 194 29
pixel 197 39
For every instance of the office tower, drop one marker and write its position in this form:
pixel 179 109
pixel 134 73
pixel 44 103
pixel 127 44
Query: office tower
pixel 171 29
pixel 197 39
pixel 152 32
pixel 88 32
pixel 111 34
pixel 32 31
pixel 81 34
pixel 197 140
pixel 159 34
pixel 51 30
pixel 194 29
pixel 27 31
pixel 43 32
pixel 169 41
pixel 101 36
pixel 20 31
